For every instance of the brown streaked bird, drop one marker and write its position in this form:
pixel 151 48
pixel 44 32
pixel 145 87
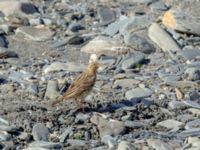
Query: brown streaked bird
pixel 81 86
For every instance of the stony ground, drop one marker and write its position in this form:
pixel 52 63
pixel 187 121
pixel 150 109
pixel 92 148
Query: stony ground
pixel 147 97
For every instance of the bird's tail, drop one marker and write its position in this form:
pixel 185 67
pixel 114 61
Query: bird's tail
pixel 60 99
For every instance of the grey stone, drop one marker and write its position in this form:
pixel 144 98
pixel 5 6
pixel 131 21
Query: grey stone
pixel 162 38
pixel 189 133
pixel 65 134
pixel 134 124
pixel 138 43
pixel 47 21
pixel 193 74
pixel 109 140
pixel 4 136
pixel 59 43
pixel 102 45
pixel 158 144
pixel 76 40
pixel 114 27
pixel 35 21
pixel 193 124
pixel 8 128
pixel 52 90
pixel 80 117
pixel 106 15
pixel 108 127
pixel 44 144
pixel 40 132
pixel 189 53
pixel 135 23
pixel 176 105
pixel 132 61
pixel 124 145
pixel 167 77
pixel 75 27
pixel 138 93
pixel 33 88
pixel 125 83
pixel 3 42
pixel 35 34
pixel 20 77
pixel 159 5
pixel 4 53
pixel 69 66
pixel 170 124
pixel 74 142
pixel 3 121
pixel 192 104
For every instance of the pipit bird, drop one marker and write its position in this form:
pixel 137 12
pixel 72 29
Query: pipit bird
pixel 81 86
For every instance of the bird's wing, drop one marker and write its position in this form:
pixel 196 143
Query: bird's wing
pixel 81 84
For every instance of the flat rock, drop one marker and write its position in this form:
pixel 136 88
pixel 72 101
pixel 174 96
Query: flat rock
pixel 162 38
pixel 176 105
pixel 138 93
pixel 132 61
pixel 170 124
pixel 114 27
pixel 65 134
pixel 40 132
pixel 181 21
pixel 74 142
pixel 106 15
pixel 189 132
pixel 138 43
pixel 124 145
pixel 20 76
pixel 193 124
pixel 8 128
pixel 38 34
pixel 52 90
pixel 3 42
pixel 136 23
pixel 189 53
pixel 44 144
pixel 158 144
pixel 108 127
pixel 69 66
pixel 13 7
pixel 125 83
pixel 102 45
pixel 194 111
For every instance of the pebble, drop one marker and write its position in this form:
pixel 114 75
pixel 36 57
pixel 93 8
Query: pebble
pixel 192 74
pixel 132 61
pixel 36 34
pixel 124 145
pixel 106 15
pixel 52 91
pixel 170 124
pixel 108 127
pixel 102 45
pixel 193 124
pixel 44 144
pixel 4 136
pixel 192 104
pixel 76 142
pixel 189 132
pixel 108 140
pixel 138 93
pixel 11 128
pixel 134 124
pixel 80 117
pixel 65 134
pixel 125 83
pixel 176 105
pixel 158 144
pixel 59 66
pixel 40 132
pixel 159 5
